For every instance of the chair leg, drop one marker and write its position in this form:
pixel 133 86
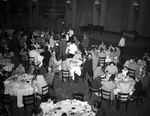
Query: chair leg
pixel 141 101
pixel 137 106
pixel 117 105
pixel 126 106
pixel 109 103
pixel 25 109
pixel 11 107
pixel 90 95
pixel 68 81
pixel 101 101
pixel 83 79
pixel 62 80
pixel 53 88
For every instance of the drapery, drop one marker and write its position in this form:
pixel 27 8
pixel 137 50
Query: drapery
pixel 84 13
pixel 117 15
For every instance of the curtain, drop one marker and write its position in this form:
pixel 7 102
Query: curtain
pixel 143 23
pixel 116 15
pixel 84 13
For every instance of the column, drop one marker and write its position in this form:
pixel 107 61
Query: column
pixel 102 13
pixel 95 14
pixel 74 11
pixel 68 15
pixel 30 14
pixel 8 14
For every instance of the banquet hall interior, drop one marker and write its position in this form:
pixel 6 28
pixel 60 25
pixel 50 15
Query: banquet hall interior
pixel 51 50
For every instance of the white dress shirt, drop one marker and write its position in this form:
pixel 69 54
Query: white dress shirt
pixel 34 53
pixel 72 49
pixel 122 42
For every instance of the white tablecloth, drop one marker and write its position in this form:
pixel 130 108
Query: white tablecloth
pixel 74 67
pixel 70 107
pixel 14 88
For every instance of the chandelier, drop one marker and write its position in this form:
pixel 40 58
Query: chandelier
pixel 34 3
pixel 68 2
pixel 136 5
pixel 97 5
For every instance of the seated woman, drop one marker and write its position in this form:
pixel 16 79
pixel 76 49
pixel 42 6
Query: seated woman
pixel 20 69
pixel 54 63
pixel 110 86
pixel 49 77
pixel 31 69
pixel 39 82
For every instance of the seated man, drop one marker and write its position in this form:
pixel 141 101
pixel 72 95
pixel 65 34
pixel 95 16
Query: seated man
pixel 65 66
pixel 125 87
pixel 137 88
pixel 88 65
pixel 39 82
pixel 33 53
pixel 96 83
pixel 20 69
pixel 110 86
pixel 145 80
pixel 71 50
pixel 112 69
pixel 98 72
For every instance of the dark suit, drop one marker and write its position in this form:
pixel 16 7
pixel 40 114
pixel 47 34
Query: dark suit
pixel 1 81
pixel 46 59
pixel 85 42
pixel 62 46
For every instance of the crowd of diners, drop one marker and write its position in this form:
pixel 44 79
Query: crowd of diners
pixel 50 49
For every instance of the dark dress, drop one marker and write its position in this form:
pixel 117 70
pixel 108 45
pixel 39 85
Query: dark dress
pixel 138 89
pixel 46 59
pixel 88 66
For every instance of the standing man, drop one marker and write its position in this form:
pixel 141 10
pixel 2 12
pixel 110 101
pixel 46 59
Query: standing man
pixel 121 44
pixel 62 47
pixel 85 41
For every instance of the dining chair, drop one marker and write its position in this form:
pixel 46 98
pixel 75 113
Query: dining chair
pixel 106 95
pixel 45 91
pixel 91 89
pixel 24 59
pixel 28 100
pixel 123 98
pixel 101 62
pixel 78 96
pixel 65 75
pixel 4 111
pixel 51 86
pixel 31 60
pixel 7 99
pixel 131 73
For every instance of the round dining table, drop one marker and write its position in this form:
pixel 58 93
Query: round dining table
pixel 19 85
pixel 70 107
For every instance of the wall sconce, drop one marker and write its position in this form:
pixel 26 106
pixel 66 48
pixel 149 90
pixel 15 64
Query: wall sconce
pixel 97 5
pixel 34 3
pixel 68 2
pixel 136 6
